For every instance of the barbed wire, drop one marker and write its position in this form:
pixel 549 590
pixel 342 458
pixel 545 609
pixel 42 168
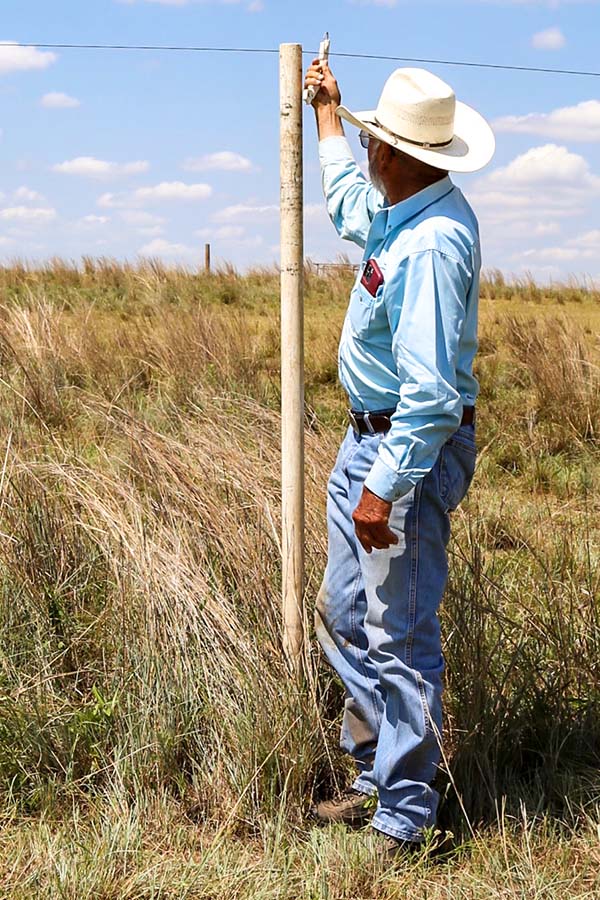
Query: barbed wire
pixel 173 48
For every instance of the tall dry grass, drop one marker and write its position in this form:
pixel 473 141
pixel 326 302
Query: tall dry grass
pixel 141 668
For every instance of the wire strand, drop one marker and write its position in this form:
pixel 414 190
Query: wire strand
pixel 312 53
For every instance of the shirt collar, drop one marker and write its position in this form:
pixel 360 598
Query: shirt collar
pixel 401 212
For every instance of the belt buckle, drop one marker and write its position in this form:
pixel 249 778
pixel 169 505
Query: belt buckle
pixel 353 422
pixel 366 417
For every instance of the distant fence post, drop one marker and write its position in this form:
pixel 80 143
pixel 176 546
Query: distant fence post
pixel 207 258
pixel 292 353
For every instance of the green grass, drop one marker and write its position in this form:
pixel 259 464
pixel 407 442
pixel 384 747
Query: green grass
pixel 141 666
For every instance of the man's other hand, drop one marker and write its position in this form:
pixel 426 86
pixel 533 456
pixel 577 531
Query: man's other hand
pixel 371 518
pixel 319 75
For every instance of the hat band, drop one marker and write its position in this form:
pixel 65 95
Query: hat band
pixel 425 144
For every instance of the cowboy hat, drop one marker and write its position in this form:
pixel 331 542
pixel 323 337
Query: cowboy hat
pixel 419 114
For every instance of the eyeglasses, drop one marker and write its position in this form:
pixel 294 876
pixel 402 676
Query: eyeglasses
pixel 364 138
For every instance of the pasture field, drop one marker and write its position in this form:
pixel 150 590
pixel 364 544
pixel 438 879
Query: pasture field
pixel 141 671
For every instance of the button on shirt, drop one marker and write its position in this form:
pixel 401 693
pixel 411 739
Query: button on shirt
pixel 411 346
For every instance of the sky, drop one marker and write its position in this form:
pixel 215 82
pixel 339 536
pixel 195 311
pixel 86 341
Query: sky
pixel 153 154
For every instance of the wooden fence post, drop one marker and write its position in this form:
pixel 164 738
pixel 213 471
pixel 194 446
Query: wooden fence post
pixel 292 353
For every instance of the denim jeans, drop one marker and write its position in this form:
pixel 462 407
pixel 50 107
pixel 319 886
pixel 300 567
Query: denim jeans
pixel 377 622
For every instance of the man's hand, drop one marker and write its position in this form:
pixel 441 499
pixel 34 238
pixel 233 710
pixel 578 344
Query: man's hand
pixel 371 518
pixel 319 75
pixel 327 98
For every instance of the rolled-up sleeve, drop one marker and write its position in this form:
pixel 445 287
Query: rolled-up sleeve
pixel 426 308
pixel 352 201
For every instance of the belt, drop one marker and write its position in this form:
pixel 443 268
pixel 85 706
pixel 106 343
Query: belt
pixel 374 422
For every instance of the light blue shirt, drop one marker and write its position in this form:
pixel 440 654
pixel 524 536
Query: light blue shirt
pixel 411 346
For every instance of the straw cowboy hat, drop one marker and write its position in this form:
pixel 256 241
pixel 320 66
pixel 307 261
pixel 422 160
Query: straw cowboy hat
pixel 419 114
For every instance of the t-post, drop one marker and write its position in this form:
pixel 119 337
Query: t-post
pixel 292 354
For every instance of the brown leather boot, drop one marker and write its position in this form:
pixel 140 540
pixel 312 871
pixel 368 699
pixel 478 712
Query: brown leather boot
pixel 389 847
pixel 350 808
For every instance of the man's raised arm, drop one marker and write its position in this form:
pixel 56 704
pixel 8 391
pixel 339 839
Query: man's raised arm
pixel 352 201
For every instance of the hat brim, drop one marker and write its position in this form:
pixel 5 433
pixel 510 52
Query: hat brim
pixel 471 148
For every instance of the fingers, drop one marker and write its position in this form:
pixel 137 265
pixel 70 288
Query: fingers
pixel 314 76
pixel 375 537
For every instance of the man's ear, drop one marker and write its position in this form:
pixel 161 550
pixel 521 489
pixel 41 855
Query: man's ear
pixel 387 154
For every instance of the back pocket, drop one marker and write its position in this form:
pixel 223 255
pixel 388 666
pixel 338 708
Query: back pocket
pixel 457 467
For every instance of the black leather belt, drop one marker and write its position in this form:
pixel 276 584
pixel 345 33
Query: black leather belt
pixel 374 422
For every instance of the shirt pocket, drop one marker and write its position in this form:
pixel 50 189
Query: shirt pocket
pixel 361 309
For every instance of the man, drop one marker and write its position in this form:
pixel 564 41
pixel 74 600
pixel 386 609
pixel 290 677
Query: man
pixel 405 360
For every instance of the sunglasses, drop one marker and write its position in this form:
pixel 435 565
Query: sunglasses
pixel 364 138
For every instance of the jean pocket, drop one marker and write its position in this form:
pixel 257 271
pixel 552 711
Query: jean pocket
pixel 457 467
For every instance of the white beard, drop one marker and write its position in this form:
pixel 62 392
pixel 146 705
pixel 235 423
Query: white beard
pixel 376 181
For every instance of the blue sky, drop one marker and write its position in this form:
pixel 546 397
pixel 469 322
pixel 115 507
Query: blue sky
pixel 129 154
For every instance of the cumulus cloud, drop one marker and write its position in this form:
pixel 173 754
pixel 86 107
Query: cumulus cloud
pixel 56 100
pixel 582 247
pixel 27 215
pixel 22 59
pixel 94 220
pixel 90 167
pixel 161 247
pixel 524 205
pixel 549 165
pixel 166 191
pixel 173 190
pixel 573 123
pixel 224 161
pixel 223 233
pixel 550 39
pixel 26 195
pixel 244 210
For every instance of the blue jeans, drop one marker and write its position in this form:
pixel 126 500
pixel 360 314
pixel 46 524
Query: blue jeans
pixel 377 622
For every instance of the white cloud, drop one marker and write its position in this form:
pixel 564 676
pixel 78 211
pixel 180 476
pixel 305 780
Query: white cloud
pixel 316 211
pixel 242 210
pixel 582 247
pixel 166 191
pixel 536 189
pixel 256 6
pixel 389 3
pixel 141 218
pixel 94 220
pixel 90 167
pixel 589 240
pixel 224 233
pixel 28 215
pixel 550 39
pixel 26 195
pixel 22 59
pixel 173 190
pixel 224 161
pixel 549 165
pixel 56 100
pixel 161 247
pixel 567 123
